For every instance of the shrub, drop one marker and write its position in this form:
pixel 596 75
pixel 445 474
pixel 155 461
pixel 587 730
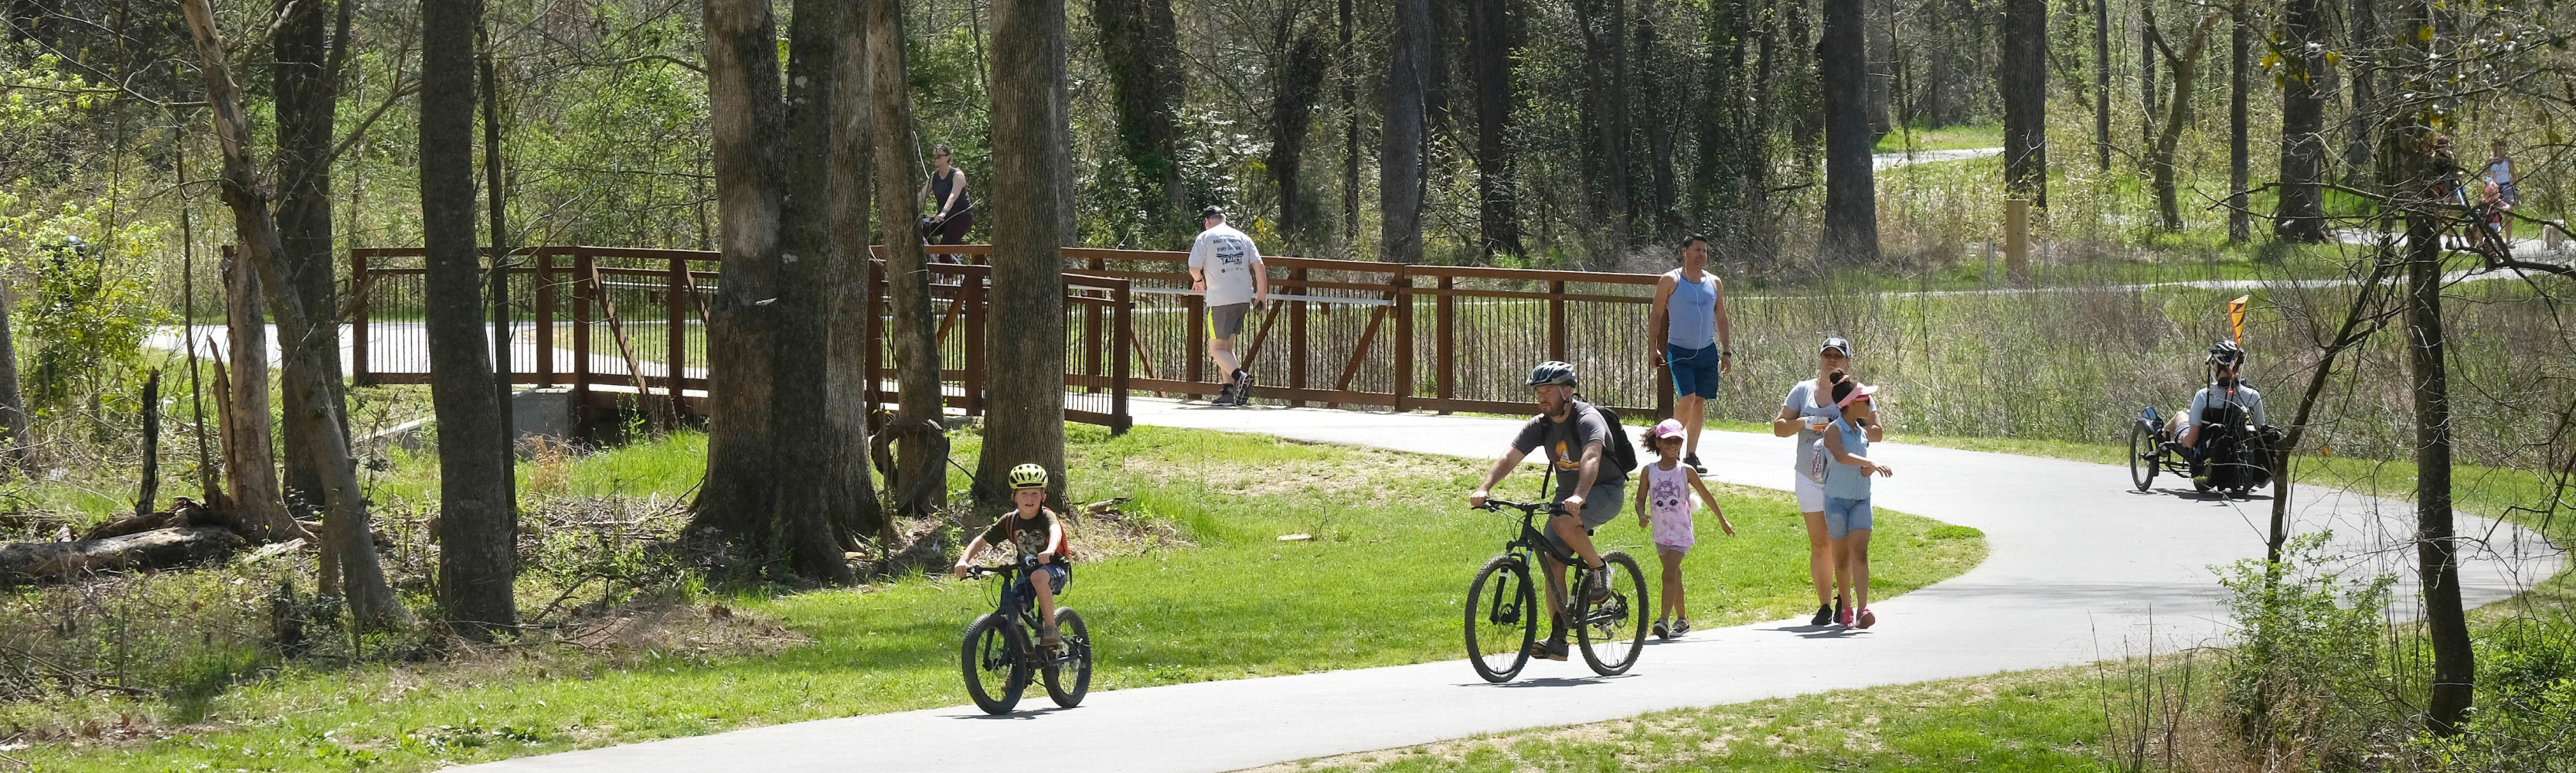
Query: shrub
pixel 2306 683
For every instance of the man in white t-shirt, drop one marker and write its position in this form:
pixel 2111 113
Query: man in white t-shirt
pixel 1226 267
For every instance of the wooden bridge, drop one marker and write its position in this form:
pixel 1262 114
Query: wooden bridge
pixel 626 327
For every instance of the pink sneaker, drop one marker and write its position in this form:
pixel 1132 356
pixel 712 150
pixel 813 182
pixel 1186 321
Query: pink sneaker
pixel 1866 618
pixel 1843 616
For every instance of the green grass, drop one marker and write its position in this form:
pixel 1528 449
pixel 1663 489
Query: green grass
pixel 2048 720
pixel 1377 586
pixel 1979 135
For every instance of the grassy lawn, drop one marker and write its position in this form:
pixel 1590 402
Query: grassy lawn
pixel 1903 138
pixel 1392 542
pixel 2047 720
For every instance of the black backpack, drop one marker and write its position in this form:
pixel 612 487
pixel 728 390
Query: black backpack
pixel 1618 452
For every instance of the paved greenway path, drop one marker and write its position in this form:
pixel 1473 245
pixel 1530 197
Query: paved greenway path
pixel 2078 567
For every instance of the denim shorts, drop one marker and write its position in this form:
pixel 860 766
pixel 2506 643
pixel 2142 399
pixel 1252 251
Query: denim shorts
pixel 1844 515
pixel 1694 371
pixel 1057 578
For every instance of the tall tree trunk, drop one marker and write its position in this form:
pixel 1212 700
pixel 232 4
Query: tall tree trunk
pixel 1297 84
pixel 1024 407
pixel 2301 216
pixel 2240 226
pixel 2102 84
pixel 1400 158
pixel 1851 200
pixel 2437 552
pixel 17 449
pixel 496 205
pixel 1350 75
pixel 477 531
pixel 844 147
pixel 1604 120
pixel 920 481
pixel 370 600
pixel 2160 162
pixel 2436 548
pixel 2147 72
pixel 1879 27
pixel 307 89
pixel 764 492
pixel 1663 109
pixel 256 506
pixel 1491 48
pixel 2365 102
pixel 2024 76
pixel 1140 48
pixel 826 499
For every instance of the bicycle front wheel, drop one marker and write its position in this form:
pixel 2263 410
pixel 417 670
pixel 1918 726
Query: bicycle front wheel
pixel 1613 631
pixel 994 674
pixel 1069 677
pixel 2144 455
pixel 1502 619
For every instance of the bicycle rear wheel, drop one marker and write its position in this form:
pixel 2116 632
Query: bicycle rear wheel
pixel 1068 679
pixel 1613 631
pixel 994 675
pixel 2145 455
pixel 1502 619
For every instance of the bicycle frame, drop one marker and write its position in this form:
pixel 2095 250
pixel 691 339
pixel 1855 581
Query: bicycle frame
pixel 1023 615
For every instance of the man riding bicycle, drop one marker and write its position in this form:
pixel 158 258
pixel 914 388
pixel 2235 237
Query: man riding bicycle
pixel 1588 492
pixel 2223 393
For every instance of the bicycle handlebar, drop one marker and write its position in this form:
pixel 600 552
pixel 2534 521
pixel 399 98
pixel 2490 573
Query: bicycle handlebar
pixel 1525 507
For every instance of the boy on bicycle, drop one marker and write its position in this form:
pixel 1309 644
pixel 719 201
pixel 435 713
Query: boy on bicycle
pixel 1040 538
pixel 1590 492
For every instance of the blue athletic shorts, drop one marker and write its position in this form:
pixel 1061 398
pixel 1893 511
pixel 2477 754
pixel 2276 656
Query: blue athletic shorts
pixel 1844 515
pixel 1694 371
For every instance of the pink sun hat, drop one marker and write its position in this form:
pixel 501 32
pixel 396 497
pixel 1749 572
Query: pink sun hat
pixel 1668 428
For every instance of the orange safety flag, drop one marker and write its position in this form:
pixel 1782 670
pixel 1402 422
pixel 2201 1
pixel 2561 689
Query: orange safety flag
pixel 2236 317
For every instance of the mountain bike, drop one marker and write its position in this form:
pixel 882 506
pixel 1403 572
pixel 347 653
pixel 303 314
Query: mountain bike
pixel 1001 648
pixel 1503 609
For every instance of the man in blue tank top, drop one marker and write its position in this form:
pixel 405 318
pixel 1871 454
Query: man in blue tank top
pixel 1690 313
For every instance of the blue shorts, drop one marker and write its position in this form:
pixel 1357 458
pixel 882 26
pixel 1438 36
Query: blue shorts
pixel 1844 515
pixel 1057 578
pixel 1694 371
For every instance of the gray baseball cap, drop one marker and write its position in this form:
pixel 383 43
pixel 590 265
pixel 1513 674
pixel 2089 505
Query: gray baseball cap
pixel 1835 342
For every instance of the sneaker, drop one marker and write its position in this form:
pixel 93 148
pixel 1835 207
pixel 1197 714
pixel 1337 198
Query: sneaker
pixel 1824 614
pixel 1662 630
pixel 1681 626
pixel 1242 387
pixel 1693 461
pixel 1051 639
pixel 1224 395
pixel 1844 617
pixel 1548 649
pixel 1866 618
pixel 1597 588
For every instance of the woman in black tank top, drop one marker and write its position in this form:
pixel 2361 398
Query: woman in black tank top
pixel 951 210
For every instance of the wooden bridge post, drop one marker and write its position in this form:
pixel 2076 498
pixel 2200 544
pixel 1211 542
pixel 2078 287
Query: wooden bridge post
pixel 1123 296
pixel 1194 317
pixel 1091 344
pixel 677 365
pixel 1445 319
pixel 1556 321
pixel 358 316
pixel 971 293
pixel 545 327
pixel 1402 295
pixel 1297 334
pixel 874 343
pixel 582 290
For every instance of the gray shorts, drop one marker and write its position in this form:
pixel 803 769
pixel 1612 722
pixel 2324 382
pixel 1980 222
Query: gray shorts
pixel 1599 508
pixel 1228 319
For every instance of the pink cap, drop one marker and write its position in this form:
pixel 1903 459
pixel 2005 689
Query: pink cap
pixel 1668 428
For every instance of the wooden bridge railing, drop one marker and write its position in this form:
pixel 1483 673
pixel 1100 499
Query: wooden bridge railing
pixel 617 321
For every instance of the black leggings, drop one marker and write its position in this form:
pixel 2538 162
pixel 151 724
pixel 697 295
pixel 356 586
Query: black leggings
pixel 952 230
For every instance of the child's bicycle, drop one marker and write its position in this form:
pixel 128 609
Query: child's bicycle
pixel 1503 609
pixel 1001 649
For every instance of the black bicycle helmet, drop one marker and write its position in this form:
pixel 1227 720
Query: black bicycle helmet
pixel 1552 372
pixel 2226 352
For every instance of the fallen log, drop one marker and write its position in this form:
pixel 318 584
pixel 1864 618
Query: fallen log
pixel 35 562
